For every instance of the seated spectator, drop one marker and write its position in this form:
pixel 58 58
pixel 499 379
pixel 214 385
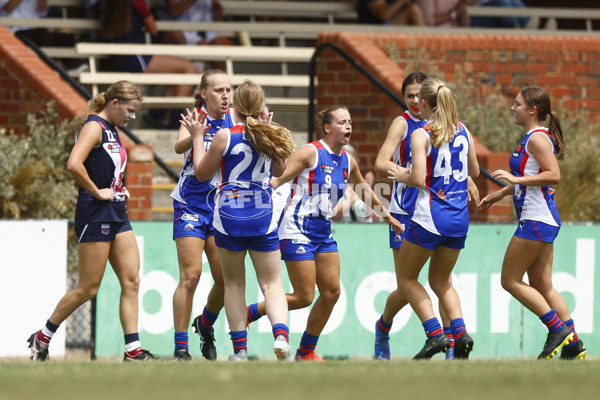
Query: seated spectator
pixel 123 21
pixel 446 12
pixel 31 9
pixel 397 12
pixel 195 11
pixel 500 22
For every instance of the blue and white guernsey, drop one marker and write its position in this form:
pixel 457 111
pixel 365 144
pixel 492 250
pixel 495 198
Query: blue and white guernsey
pixel 188 189
pixel 442 202
pixel 315 192
pixel 244 205
pixel 535 203
pixel 404 197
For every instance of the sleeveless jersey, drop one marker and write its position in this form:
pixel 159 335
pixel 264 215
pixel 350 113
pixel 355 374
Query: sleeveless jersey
pixel 314 194
pixel 534 203
pixel 106 166
pixel 244 205
pixel 441 206
pixel 404 197
pixel 188 189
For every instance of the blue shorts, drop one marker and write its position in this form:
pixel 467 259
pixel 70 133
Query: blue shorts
pixel 536 230
pixel 396 240
pixel 101 231
pixel 420 236
pixel 190 221
pixel 268 242
pixel 299 250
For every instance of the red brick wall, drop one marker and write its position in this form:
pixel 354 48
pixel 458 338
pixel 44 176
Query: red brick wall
pixel 27 85
pixel 566 66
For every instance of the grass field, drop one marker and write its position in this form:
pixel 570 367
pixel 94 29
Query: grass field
pixel 352 379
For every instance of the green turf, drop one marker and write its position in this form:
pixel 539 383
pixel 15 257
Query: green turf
pixel 353 379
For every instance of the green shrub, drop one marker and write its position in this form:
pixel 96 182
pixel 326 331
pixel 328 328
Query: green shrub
pixel 34 182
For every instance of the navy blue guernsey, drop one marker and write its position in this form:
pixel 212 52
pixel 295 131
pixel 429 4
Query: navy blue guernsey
pixel 106 166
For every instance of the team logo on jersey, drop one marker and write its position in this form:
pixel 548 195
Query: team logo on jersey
pixel 189 217
pixel 301 250
pixel 345 174
pixel 517 151
pixel 114 148
pixel 105 229
pixel 189 226
pixel 441 194
pixel 327 169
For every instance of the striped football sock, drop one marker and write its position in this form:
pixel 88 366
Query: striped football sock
pixel 432 327
pixel 308 343
pixel 552 322
pixel 239 340
pixel 571 325
pixel 281 330
pixel 181 340
pixel 207 319
pixel 458 327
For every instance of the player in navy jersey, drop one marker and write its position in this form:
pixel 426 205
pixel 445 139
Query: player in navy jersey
pixel 396 151
pixel 321 171
pixel 193 233
pixel 443 156
pixel 246 157
pixel 97 162
pixel 534 168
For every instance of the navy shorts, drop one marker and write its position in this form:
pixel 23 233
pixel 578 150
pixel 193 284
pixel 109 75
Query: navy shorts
pixel 268 242
pixel 420 236
pixel 134 63
pixel 101 231
pixel 396 240
pixel 300 250
pixel 536 230
pixel 190 221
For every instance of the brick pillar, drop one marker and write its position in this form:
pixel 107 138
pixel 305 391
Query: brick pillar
pixel 138 180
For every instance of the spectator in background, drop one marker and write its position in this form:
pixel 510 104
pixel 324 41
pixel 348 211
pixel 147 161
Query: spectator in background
pixel 398 12
pixel 123 22
pixel 195 11
pixel 500 22
pixel 446 12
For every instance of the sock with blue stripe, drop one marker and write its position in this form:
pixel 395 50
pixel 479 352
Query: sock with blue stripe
pixel 253 313
pixel 281 330
pixel 308 343
pixel 384 326
pixel 432 327
pixel 181 340
pixel 571 325
pixel 458 327
pixel 207 319
pixel 552 322
pixel 239 340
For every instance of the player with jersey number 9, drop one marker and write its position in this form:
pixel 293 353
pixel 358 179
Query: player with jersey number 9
pixel 439 226
pixel 247 156
pixel 320 171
